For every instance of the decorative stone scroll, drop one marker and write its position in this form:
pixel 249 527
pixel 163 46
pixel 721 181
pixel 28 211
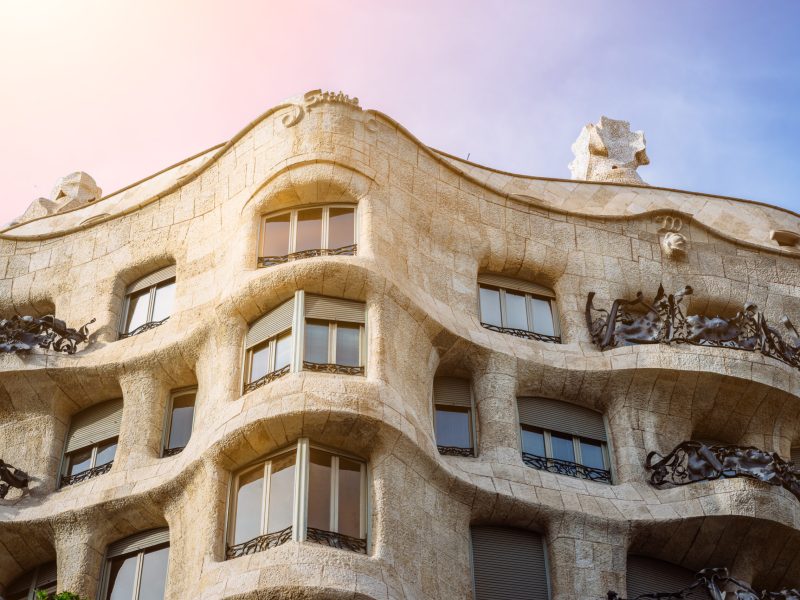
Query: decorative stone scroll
pixel 662 321
pixel 22 334
pixel 693 461
pixel 11 477
pixel 315 98
pixel 716 584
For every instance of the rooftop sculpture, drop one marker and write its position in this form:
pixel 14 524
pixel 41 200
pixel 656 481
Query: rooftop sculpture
pixel 609 151
pixel 71 191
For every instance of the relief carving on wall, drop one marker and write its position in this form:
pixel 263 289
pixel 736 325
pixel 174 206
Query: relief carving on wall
pixel 22 334
pixel 673 243
pixel 315 98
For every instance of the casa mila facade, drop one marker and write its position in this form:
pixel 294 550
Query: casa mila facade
pixel 325 361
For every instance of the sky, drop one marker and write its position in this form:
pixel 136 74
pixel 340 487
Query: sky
pixel 123 88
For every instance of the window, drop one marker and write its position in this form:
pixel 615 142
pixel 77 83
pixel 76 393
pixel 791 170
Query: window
pixel 24 587
pixel 180 420
pixel 518 308
pixel 453 416
pixel 330 506
pixel 91 442
pixel 305 232
pixel 269 346
pixel 333 340
pixel 508 564
pixel 650 576
pixel 564 438
pixel 148 302
pixel 136 567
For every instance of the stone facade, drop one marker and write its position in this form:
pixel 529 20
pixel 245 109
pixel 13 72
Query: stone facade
pixel 428 224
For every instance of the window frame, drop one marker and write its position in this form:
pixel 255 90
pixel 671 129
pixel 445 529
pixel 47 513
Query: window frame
pixel 35 584
pixel 529 310
pixel 471 427
pixel 123 333
pixel 137 580
pixel 272 345
pixel 324 228
pixel 174 394
pixel 67 461
pixel 576 445
pixel 333 327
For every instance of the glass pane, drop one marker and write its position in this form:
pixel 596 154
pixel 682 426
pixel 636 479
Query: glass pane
pixel 453 427
pixel 316 342
pixel 563 448
pixel 283 351
pixel 259 362
pixel 281 492
pixel 341 227
pixel 276 236
pixel 249 500
pixel 516 313
pixel 121 580
pixel 533 442
pixel 309 230
pixel 592 454
pixel 154 574
pixel 319 490
pixel 350 497
pixel 106 452
pixel 164 299
pixel 490 307
pixel 138 305
pixel 347 347
pixel 79 461
pixel 542 317
pixel 180 427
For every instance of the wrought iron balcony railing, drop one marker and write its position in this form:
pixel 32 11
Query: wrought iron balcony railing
pixel 87 474
pixel 269 377
pixel 455 451
pixel 173 451
pixel 20 334
pixel 11 477
pixel 636 321
pixel 715 584
pixel 693 461
pixel 260 543
pixel 332 368
pixel 336 540
pixel 142 328
pixel 565 467
pixel 268 261
pixel 524 333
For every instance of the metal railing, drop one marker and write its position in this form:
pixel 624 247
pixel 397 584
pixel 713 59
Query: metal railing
pixel 524 333
pixel 565 467
pixel 87 474
pixel 269 261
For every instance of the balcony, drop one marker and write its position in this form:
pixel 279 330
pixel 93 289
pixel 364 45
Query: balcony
pixel 565 467
pixel 269 261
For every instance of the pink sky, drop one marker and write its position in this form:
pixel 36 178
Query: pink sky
pixel 121 89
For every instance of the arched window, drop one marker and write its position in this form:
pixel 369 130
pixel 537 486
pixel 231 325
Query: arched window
pixel 564 438
pixel 91 442
pixel 136 567
pixel 301 493
pixel 650 576
pixel 508 564
pixel 518 308
pixel 453 421
pixel 43 578
pixel 305 232
pixel 148 302
pixel 180 421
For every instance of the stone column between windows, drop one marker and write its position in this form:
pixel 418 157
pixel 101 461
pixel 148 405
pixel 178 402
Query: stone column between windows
pixel 495 388
pixel 79 556
pixel 141 432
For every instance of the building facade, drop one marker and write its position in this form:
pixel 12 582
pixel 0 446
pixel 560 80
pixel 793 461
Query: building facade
pixel 324 360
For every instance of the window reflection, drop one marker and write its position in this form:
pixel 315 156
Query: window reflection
pixel 319 490
pixel 533 442
pixel 341 227
pixel 105 453
pixel 138 307
pixel 347 344
pixel 453 427
pixel 281 492
pixel 248 506
pixel 122 578
pixel 80 461
pixel 349 513
pixel 283 351
pixel 490 307
pixel 181 419
pixel 309 230
pixel 316 342
pixel 563 448
pixel 259 361
pixel 163 300
pixel 276 235
pixel 516 311
pixel 154 574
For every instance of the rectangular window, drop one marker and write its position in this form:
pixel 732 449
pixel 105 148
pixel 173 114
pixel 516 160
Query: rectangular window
pixel 276 235
pixel 136 567
pixel 333 344
pixel 525 310
pixel 180 421
pixel 91 442
pixel 452 399
pixel 268 346
pixel 453 427
pixel 148 302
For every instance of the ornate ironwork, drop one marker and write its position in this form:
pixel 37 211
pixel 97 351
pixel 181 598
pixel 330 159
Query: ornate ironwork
pixel 260 543
pixel 716 584
pixel 268 261
pixel 269 377
pixel 332 368
pixel 173 451
pixel 22 334
pixel 693 461
pixel 336 540
pixel 523 333
pixel 87 474
pixel 565 467
pixel 142 328
pixel 11 477
pixel 455 451
pixel 663 322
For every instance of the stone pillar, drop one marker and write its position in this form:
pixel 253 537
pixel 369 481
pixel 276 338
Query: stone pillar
pixel 141 433
pixel 79 556
pixel 495 400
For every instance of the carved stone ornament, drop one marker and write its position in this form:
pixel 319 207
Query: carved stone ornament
pixel 315 98
pixel 715 584
pixel 22 334
pixel 630 322
pixel 673 243
pixel 11 477
pixel 609 151
pixel 70 192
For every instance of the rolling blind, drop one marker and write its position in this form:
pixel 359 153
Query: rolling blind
pixel 795 457
pixel 334 309
pixel 451 391
pixel 94 425
pixel 515 284
pixel 271 324
pixel 139 541
pixel 647 576
pixel 508 564
pixel 561 417
pixel 46 574
pixel 152 279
